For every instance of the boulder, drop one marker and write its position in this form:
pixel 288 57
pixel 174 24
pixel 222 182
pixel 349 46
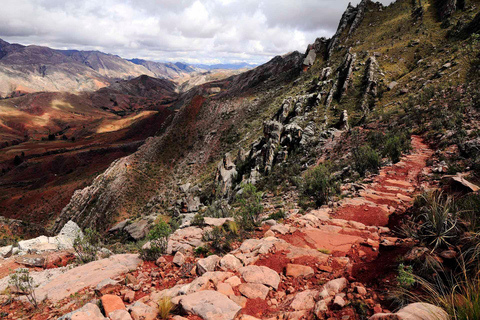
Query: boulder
pixel 392 85
pixel 210 305
pixel 137 230
pixel 120 315
pixel 310 58
pixel 225 289
pixel 179 258
pixel 141 311
pixel 106 286
pixel 31 260
pixel 230 262
pixel 119 226
pixel 414 311
pixel 422 311
pixel 111 303
pixel 253 290
pixel 233 281
pixel 280 228
pixel 298 270
pixel 260 274
pixel 90 311
pixel 207 264
pixel 336 286
pixel 320 308
pixel 339 302
pixel 304 300
pixel 87 275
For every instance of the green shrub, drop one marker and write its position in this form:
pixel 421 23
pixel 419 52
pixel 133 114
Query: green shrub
pixel 365 159
pixel 393 149
pixel 319 185
pixel 405 276
pixel 161 230
pixel 279 215
pixel 218 240
pixel 24 284
pixel 198 220
pixel 218 209
pixel 86 247
pixel 158 237
pixel 250 208
pixel 200 251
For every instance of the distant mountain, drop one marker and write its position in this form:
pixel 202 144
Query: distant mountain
pixel 34 68
pixel 167 70
pixel 228 66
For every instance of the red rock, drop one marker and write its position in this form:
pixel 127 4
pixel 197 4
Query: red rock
pixel 298 270
pixel 111 303
pixel 325 268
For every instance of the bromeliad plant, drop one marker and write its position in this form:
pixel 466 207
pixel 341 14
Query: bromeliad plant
pixel 439 220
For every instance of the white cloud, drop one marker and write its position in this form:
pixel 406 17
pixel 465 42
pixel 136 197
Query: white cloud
pixel 173 30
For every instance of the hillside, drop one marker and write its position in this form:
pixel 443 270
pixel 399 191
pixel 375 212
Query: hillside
pixel 54 143
pixel 338 183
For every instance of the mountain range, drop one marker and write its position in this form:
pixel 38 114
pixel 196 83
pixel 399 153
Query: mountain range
pixel 34 68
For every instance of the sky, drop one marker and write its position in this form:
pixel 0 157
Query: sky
pixel 191 31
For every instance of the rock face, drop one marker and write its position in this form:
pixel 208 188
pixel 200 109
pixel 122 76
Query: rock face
pixel 226 174
pixel 445 8
pixel 352 16
pixel 371 83
pixel 93 204
pixel 86 275
pixel 210 305
pixel 310 58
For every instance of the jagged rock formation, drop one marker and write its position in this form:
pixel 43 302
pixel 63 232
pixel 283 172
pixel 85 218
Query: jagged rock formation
pixel 225 176
pixel 445 8
pixel 470 28
pixel 343 76
pixel 371 83
pixel 352 16
pixel 345 73
pixel 417 10
pixel 98 205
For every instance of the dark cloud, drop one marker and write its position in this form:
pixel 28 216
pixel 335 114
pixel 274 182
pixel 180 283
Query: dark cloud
pixel 207 31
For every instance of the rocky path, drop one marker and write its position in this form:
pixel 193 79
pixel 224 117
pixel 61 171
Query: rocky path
pixel 367 214
pixel 308 266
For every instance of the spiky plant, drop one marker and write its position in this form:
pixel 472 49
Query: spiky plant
pixel 165 307
pixel 440 223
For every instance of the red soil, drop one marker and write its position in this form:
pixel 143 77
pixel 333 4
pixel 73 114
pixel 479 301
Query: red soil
pixel 277 261
pixel 256 308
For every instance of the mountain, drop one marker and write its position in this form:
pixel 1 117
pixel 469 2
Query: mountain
pixel 227 66
pixel 340 182
pixel 33 68
pixel 167 70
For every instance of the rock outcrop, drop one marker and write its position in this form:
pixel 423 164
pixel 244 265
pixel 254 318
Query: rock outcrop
pixel 352 16
pixel 370 83
pixel 445 8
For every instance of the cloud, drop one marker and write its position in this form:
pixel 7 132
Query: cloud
pixel 193 31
